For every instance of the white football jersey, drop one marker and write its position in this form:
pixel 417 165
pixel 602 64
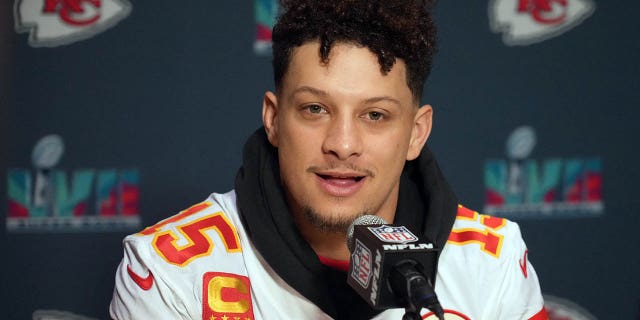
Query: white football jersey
pixel 200 264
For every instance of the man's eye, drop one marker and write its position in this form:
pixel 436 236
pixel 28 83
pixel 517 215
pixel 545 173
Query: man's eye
pixel 315 108
pixel 374 115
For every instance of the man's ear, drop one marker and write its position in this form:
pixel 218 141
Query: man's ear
pixel 270 117
pixel 420 132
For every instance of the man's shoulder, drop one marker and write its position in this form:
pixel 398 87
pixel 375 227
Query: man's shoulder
pixel 215 204
pixel 208 228
pixel 169 268
pixel 486 259
pixel 474 233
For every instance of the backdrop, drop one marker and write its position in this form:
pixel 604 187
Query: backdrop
pixel 116 114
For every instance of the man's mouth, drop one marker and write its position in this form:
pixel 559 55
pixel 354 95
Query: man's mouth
pixel 340 184
pixel 338 178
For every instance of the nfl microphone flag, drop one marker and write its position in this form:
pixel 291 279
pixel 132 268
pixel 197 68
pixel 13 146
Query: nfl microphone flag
pixel 375 251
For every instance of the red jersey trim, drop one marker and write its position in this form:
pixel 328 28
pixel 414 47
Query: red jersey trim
pixel 341 265
pixel 541 315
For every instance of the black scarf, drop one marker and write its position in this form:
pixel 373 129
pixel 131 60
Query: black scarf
pixel 426 202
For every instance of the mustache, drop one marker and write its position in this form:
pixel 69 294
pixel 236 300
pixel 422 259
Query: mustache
pixel 341 165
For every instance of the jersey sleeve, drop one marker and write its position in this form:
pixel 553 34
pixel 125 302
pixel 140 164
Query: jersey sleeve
pixel 484 271
pixel 140 289
pixel 163 272
pixel 518 293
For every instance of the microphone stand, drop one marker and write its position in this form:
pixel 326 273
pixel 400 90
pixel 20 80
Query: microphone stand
pixel 414 290
pixel 411 315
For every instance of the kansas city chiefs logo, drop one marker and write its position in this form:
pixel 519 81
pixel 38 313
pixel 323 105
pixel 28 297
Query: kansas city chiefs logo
pixel 52 23
pixel 524 22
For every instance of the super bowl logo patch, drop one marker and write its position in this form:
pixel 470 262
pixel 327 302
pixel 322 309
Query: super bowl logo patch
pixel 393 234
pixel 361 264
pixel 51 23
pixel 524 22
pixel 226 296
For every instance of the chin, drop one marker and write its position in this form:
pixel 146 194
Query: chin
pixel 332 221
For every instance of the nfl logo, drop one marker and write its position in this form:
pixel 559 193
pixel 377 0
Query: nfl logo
pixel 361 264
pixel 393 234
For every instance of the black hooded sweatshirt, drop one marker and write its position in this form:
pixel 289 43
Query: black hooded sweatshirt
pixel 425 203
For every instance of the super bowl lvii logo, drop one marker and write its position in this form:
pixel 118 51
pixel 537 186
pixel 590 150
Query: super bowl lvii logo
pixel 41 199
pixel 521 187
pixel 265 14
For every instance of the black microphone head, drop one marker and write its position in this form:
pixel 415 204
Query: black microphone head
pixel 367 219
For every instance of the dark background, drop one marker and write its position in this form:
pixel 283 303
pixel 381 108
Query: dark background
pixel 175 88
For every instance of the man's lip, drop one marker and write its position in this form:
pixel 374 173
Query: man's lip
pixel 340 185
pixel 340 175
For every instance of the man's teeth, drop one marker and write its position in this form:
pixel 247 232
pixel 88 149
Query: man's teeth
pixel 356 178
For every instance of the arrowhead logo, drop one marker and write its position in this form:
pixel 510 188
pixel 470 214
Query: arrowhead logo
pixel 144 283
pixel 52 23
pixel 524 22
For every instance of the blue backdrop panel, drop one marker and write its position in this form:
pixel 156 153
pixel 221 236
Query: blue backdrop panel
pixel 172 90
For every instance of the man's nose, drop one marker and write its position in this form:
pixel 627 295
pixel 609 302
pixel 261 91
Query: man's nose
pixel 343 138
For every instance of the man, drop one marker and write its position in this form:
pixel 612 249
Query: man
pixel 343 137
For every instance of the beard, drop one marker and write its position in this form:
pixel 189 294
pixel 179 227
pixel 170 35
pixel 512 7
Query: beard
pixel 332 223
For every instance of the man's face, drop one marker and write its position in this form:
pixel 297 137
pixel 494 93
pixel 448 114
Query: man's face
pixel 343 132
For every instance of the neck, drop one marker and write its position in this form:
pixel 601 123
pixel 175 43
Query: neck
pixel 330 244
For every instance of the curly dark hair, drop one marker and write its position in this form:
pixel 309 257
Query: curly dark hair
pixel 391 29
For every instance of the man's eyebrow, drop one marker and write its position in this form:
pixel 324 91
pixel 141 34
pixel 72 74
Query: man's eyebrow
pixel 383 98
pixel 322 93
pixel 312 90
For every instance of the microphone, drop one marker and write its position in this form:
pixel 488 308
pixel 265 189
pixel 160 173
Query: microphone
pixel 388 265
